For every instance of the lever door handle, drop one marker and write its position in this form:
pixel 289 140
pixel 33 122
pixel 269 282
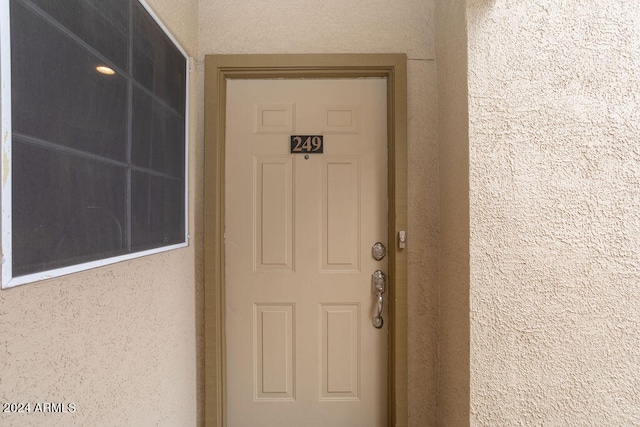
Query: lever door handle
pixel 378 282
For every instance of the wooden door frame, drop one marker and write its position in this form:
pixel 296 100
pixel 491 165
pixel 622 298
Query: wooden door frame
pixel 219 68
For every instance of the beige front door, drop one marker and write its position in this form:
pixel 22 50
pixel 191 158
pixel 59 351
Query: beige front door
pixel 301 347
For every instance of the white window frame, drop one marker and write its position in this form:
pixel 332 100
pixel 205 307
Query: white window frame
pixel 8 281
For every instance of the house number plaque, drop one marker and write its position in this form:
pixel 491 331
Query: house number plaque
pixel 307 144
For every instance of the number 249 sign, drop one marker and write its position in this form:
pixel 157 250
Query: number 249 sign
pixel 306 144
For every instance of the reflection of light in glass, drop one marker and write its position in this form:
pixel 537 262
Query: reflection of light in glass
pixel 105 70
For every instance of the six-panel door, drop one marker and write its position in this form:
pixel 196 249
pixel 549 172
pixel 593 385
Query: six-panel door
pixel 299 228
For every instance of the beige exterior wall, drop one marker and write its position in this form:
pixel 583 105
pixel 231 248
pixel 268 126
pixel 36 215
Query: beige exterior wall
pixel 554 136
pixel 364 26
pixel 120 342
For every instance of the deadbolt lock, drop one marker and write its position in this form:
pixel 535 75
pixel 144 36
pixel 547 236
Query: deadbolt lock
pixel 378 251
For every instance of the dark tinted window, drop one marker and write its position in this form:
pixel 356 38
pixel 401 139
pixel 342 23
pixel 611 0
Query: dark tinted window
pixel 98 160
pixel 101 24
pixel 155 130
pixel 66 209
pixel 155 220
pixel 57 94
pixel 157 64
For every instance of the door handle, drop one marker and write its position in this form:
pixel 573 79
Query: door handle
pixel 378 282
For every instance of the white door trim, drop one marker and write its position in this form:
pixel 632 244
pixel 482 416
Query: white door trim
pixel 219 68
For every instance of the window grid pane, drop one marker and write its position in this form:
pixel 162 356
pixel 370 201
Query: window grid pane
pixel 98 162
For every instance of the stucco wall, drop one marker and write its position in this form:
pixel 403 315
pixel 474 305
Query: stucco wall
pixel 364 26
pixel 120 341
pixel 554 131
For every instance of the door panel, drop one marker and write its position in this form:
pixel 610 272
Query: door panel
pixel 273 213
pixel 301 348
pixel 274 357
pixel 340 351
pixel 340 207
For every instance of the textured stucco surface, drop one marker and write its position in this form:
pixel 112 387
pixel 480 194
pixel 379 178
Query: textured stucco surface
pixel 554 135
pixel 119 341
pixel 328 26
pixel 359 26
